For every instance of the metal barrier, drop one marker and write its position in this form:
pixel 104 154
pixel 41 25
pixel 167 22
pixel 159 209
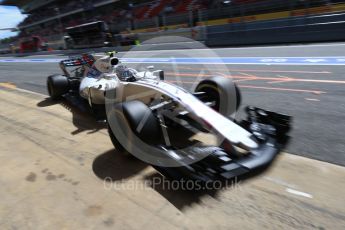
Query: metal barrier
pixel 178 35
pixel 247 9
pixel 237 21
pixel 293 21
pixel 301 29
pixel 293 8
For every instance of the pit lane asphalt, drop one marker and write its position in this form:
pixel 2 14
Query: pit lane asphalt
pixel 313 95
pixel 61 171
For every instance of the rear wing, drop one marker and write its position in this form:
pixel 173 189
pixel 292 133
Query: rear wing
pixel 83 60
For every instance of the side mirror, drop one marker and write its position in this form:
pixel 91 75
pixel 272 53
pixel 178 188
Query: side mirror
pixel 161 75
pixel 114 61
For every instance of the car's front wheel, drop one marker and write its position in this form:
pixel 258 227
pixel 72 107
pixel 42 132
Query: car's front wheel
pixel 133 118
pixel 118 147
pixel 222 93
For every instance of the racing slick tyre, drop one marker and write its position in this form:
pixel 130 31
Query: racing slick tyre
pixel 119 148
pixel 57 86
pixel 136 114
pixel 222 92
pixel 140 115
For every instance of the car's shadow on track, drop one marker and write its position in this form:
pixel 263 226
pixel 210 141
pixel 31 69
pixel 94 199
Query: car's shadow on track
pixel 183 195
pixel 114 166
pixel 81 119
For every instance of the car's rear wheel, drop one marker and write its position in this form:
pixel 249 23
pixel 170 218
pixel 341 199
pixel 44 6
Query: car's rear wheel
pixel 57 86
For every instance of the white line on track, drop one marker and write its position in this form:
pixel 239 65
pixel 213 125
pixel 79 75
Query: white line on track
pixel 299 193
pixel 26 91
pixel 244 63
pixel 267 61
pixel 245 48
pixel 279 182
pixel 289 46
pixel 311 99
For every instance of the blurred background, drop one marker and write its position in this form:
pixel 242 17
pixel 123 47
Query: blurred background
pixel 285 56
pixel 61 24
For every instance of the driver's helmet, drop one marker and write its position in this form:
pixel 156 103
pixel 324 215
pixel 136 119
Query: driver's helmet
pixel 124 73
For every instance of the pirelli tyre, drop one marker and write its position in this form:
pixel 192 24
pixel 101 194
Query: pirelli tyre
pixel 118 147
pixel 222 93
pixel 57 85
pixel 132 114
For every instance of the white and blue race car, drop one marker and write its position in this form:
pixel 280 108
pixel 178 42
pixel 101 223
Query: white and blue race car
pixel 161 123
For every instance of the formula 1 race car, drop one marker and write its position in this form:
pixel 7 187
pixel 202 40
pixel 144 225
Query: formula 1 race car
pixel 181 134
